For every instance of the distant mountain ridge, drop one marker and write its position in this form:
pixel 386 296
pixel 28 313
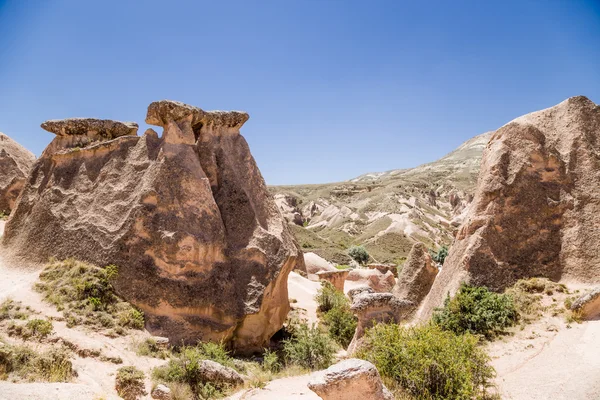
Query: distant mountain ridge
pixel 385 211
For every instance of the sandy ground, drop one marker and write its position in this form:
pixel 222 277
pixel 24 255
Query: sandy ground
pixel 294 388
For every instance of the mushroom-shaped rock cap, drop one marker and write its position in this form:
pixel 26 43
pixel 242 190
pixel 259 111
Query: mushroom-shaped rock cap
pixel 367 301
pixel 106 128
pixel 160 113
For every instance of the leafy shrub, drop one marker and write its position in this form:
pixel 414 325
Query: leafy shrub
pixel 477 310
pixel 85 294
pixel 440 256
pixel 271 361
pixel 130 383
pixel 428 362
pixel 341 324
pixel 53 365
pixel 328 297
pixel 309 348
pixel 359 254
pixel 40 327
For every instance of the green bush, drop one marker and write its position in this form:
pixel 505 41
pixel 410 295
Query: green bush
pixel 341 324
pixel 271 361
pixel 439 256
pixel 477 310
pixel 328 297
pixel 11 309
pixel 150 348
pixel 309 348
pixel 130 383
pixel 427 362
pixel 40 327
pixel 359 254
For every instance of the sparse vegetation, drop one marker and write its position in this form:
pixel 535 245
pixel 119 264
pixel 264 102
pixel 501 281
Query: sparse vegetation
pixel 271 361
pixel 150 348
pixel 11 309
pixel 86 296
pixel 26 364
pixel 359 254
pixel 427 362
pixel 130 383
pixel 337 318
pixel 37 328
pixel 184 368
pixel 328 297
pixel 478 311
pixel 342 267
pixel 309 348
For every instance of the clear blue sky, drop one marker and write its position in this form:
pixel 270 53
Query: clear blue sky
pixel 334 88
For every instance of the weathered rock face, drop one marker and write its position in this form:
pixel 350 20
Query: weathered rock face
pixel 336 278
pixel 380 283
pixel 15 163
pixel 417 276
pixel 315 264
pixel 200 244
pixel 588 305
pixel 536 209
pixel 351 379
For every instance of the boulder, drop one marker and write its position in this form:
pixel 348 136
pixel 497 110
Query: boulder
pixel 315 263
pixel 379 282
pixel 288 205
pixel 200 244
pixel 161 392
pixel 417 276
pixel 219 375
pixel 588 305
pixel 376 308
pixel 536 209
pixel 336 278
pixel 351 379
pixel 15 163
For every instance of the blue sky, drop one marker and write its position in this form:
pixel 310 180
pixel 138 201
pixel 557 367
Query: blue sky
pixel 334 88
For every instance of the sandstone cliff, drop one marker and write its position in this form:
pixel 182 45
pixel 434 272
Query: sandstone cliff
pixel 201 246
pixel 15 163
pixel 536 209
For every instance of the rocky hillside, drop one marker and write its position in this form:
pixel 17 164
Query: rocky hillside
pixel 386 212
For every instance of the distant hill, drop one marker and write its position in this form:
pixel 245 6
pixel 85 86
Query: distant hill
pixel 384 211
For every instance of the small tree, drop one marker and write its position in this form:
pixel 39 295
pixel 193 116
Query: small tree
pixel 441 255
pixel 359 254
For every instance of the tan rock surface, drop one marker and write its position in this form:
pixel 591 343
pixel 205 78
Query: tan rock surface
pixel 351 379
pixel 200 244
pixel 379 282
pixel 537 206
pixel 315 263
pixel 15 163
pixel 417 276
pixel 588 305
pixel 336 278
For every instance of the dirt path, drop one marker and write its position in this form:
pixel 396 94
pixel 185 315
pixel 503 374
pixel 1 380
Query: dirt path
pixel 564 365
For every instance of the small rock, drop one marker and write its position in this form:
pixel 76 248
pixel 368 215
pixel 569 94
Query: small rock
pixel 351 379
pixel 161 392
pixel 219 374
pixel 336 278
pixel 588 306
pixel 354 292
pixel 161 342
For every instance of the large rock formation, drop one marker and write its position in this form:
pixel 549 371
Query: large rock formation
pixel 201 247
pixel 536 209
pixel 417 276
pixel 15 163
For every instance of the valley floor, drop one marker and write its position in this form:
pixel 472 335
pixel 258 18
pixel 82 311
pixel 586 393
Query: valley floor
pixel 546 360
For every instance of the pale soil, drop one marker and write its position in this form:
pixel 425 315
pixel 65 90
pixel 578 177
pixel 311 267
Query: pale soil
pixel 293 388
pixel 96 379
